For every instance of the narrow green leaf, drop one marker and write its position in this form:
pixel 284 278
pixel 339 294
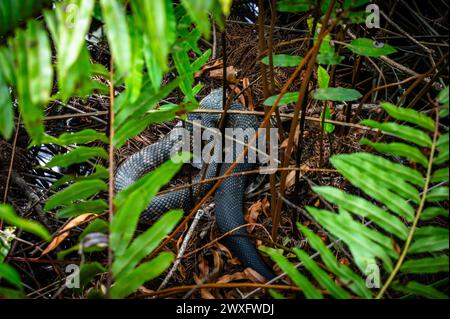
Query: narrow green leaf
pixel 301 281
pixel 145 243
pixel 430 213
pixel 95 206
pixel 126 285
pixel 409 115
pixel 438 194
pixel 395 169
pixel 434 239
pixel 321 276
pixel 398 149
pixel 6 110
pixel 117 34
pixel 82 137
pixel 78 155
pixel 11 275
pixel 336 94
pixel 372 187
pixel 288 98
pixel 344 273
pixel 364 208
pixel 441 175
pixel 283 60
pixel 418 289
pixel 10 217
pixel 428 265
pixel 404 132
pixel 78 191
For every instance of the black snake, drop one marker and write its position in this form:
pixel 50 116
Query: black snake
pixel 229 196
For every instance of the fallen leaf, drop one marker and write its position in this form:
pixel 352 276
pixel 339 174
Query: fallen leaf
pixel 209 66
pixel 64 232
pixel 231 74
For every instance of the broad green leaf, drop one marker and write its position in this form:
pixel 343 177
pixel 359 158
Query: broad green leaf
pixel 132 201
pixel 283 60
pixel 78 155
pixel 78 191
pixel 441 175
pixel 344 273
pixel 117 34
pixel 145 243
pixel 321 276
pixel 287 98
pixel 364 208
pixel 6 110
pixel 430 213
pixel 10 217
pixel 95 206
pixel 398 149
pixel 427 265
pixel 11 275
pixel 126 285
pixel 301 281
pixel 404 132
pixel 419 289
pixel 408 115
pixel 323 78
pixel 370 48
pixel 438 194
pixel 336 94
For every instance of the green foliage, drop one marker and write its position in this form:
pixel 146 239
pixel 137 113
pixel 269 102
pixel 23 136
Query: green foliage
pixel 10 217
pixel 370 48
pixel 392 194
pixel 283 60
pixel 336 94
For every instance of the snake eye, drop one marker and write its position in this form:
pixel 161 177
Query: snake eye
pixel 378 44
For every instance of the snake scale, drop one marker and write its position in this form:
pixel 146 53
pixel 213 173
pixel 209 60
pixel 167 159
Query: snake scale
pixel 229 197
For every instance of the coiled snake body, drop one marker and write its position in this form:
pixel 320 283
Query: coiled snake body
pixel 229 196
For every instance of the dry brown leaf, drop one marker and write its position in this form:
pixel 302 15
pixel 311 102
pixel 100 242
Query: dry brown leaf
pixel 252 214
pixel 209 66
pixel 64 232
pixel 218 261
pixel 238 91
pixel 204 292
pixel 232 277
pixel 223 249
pixel 231 74
pixel 254 276
pixel 248 93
